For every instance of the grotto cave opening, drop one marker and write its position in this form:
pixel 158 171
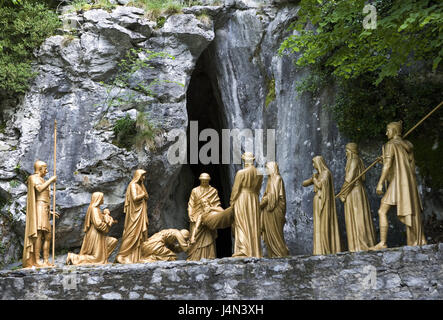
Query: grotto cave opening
pixel 204 107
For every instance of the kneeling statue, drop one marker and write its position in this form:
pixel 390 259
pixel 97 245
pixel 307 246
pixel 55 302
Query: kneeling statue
pixel 164 245
pixel 96 247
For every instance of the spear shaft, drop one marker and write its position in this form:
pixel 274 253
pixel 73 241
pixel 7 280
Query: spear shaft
pixel 377 160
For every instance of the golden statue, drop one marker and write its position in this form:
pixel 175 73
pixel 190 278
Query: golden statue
pixel 211 218
pixel 359 228
pixel 136 222
pixel 107 217
pixel 326 234
pixel 399 171
pixel 203 241
pixel 164 245
pixel 244 201
pixel 96 247
pixel 38 228
pixel 273 206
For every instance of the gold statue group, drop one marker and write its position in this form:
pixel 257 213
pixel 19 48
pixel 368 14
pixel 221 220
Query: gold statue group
pixel 249 218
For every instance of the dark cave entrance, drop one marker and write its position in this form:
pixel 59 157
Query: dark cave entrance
pixel 203 106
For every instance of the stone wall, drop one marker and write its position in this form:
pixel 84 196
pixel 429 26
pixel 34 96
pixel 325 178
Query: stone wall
pixel 397 273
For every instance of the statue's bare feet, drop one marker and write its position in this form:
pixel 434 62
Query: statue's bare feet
pixel 46 263
pixel 68 259
pixel 378 246
pixel 39 264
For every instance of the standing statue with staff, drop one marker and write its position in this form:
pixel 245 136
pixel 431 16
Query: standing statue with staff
pixel 399 171
pixel 38 227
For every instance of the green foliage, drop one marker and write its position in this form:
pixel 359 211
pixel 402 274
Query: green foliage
pixel 127 91
pixel 104 4
pixel 204 18
pixel 139 132
pixel 173 8
pixel 125 131
pixel 14 183
pixel 407 31
pixel 160 22
pixel 2 248
pixel 78 5
pixel 157 8
pixel 271 92
pixel 23 27
pixel 362 109
pixel 116 89
pixel 379 75
pixel 84 5
pixel 2 127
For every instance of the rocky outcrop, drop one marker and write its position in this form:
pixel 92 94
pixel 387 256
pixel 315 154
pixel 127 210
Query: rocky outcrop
pixel 69 89
pixel 235 45
pixel 400 273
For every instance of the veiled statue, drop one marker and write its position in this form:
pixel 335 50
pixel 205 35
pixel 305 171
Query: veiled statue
pixel 164 245
pixel 136 221
pixel 326 233
pixel 273 211
pixel 399 172
pixel 38 227
pixel 246 206
pixel 359 228
pixel 96 247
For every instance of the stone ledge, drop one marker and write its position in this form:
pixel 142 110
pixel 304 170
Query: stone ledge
pixel 395 273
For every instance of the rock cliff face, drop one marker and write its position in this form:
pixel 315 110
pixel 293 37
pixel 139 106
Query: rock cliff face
pixel 399 273
pixel 69 89
pixel 226 74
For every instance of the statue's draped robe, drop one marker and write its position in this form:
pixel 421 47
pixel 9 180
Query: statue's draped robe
pixel 96 247
pixel 37 218
pixel 204 246
pixel 244 200
pixel 31 226
pixel 162 246
pixel 326 234
pixel 359 228
pixel 136 224
pixel 402 190
pixel 273 217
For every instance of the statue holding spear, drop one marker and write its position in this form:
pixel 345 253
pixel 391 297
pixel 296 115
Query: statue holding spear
pixel 399 171
pixel 38 228
pixel 402 192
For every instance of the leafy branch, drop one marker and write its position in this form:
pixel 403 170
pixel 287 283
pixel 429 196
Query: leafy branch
pixel 379 75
